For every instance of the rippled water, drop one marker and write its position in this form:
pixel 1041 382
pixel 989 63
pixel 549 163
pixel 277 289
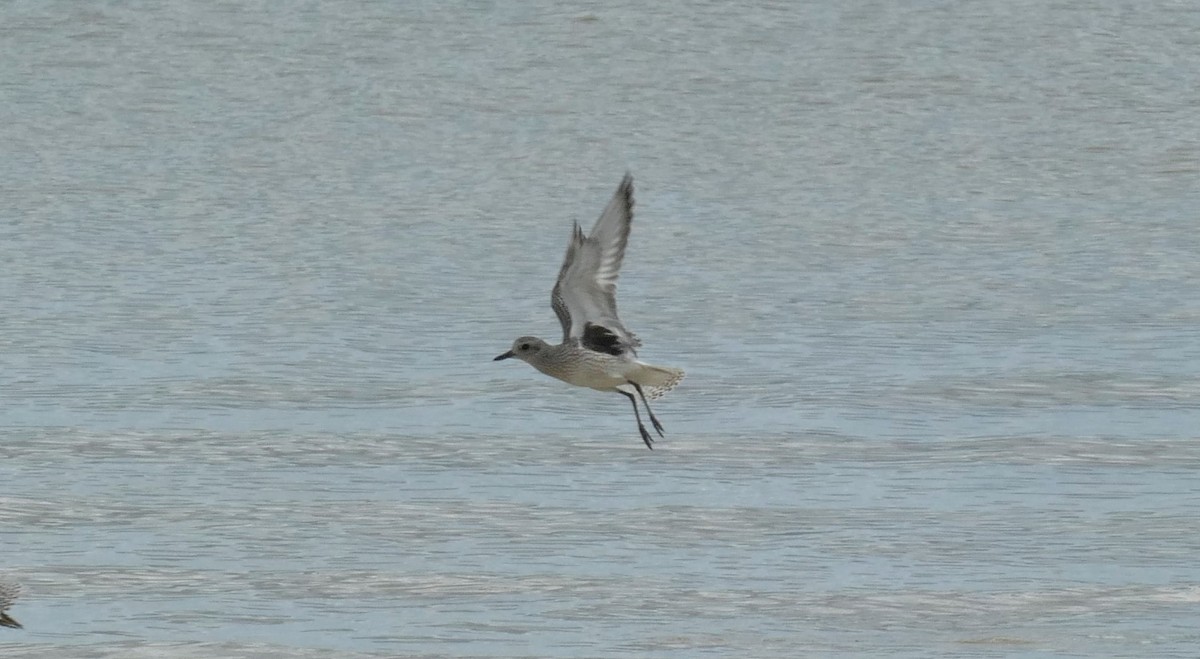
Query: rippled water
pixel 931 269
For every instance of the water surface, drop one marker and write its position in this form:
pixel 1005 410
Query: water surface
pixel 931 270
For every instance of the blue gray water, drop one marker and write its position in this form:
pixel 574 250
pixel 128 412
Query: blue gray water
pixel 931 267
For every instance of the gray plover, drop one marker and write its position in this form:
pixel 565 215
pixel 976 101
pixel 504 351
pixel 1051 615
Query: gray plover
pixel 8 594
pixel 596 350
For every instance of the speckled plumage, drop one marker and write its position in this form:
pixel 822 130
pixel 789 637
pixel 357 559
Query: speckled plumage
pixel 8 594
pixel 581 367
pixel 597 351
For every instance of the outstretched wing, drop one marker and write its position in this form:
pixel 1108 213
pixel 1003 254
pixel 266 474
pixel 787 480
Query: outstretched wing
pixel 585 296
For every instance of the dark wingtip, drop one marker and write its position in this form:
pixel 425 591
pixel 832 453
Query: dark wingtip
pixel 6 621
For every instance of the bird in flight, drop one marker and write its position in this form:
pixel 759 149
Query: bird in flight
pixel 8 594
pixel 596 350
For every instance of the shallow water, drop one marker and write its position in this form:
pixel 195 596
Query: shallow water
pixel 931 271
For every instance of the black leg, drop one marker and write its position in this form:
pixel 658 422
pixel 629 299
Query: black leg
pixel 637 415
pixel 653 419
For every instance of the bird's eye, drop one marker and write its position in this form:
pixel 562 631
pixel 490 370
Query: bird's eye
pixel 524 346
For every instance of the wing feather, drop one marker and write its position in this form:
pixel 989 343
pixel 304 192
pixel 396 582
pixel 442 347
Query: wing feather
pixel 8 594
pixel 586 291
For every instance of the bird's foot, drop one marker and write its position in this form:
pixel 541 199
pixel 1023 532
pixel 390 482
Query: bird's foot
pixel 646 436
pixel 657 425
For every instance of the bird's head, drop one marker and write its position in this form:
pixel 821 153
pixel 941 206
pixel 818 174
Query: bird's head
pixel 524 348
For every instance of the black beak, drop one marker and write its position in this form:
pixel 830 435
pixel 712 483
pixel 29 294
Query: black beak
pixel 504 356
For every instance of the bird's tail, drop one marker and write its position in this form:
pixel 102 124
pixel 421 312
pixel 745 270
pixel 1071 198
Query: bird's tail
pixel 6 621
pixel 657 380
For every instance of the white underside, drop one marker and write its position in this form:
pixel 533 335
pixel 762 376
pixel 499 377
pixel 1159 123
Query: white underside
pixel 615 374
